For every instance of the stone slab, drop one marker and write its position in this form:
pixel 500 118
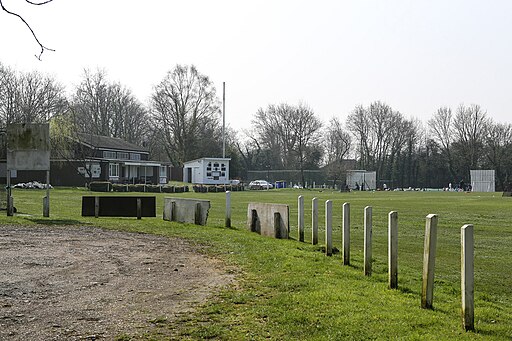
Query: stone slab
pixel 262 218
pixel 192 211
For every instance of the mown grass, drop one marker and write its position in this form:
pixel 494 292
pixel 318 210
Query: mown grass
pixel 291 290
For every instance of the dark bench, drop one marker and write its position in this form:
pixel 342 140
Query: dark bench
pixel 119 206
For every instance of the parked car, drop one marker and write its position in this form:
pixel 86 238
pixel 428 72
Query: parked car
pixel 260 184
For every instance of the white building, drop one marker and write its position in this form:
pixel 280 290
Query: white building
pixel 207 171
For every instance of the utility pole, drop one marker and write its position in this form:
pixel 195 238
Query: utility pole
pixel 223 120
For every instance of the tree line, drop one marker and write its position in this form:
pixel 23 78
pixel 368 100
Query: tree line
pixel 181 121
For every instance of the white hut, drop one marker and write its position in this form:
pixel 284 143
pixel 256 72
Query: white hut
pixel 207 171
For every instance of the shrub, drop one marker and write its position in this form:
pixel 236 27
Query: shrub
pixel 119 188
pixel 100 186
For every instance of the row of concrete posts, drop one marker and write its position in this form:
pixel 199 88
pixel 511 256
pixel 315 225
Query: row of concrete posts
pixel 467 251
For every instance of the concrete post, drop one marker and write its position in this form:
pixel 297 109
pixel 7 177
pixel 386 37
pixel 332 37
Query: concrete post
pixel 328 228
pixel 301 218
pixel 346 233
pixel 367 241
pixel 467 277
pixel 429 261
pixel 393 249
pixel 228 209
pixel 314 221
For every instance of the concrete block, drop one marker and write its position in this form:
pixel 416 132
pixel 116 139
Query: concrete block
pixel 192 211
pixel 272 220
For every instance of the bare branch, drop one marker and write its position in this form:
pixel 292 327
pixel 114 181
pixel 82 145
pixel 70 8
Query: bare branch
pixel 38 3
pixel 43 48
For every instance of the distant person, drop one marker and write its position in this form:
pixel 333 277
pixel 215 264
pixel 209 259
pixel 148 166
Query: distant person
pixel 385 187
pixel 357 187
pixel 462 185
pixel 450 187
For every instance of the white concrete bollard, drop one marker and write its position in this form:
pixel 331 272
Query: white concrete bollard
pixel 314 221
pixel 467 277
pixel 367 241
pixel 328 228
pixel 346 233
pixel 393 249
pixel 228 209
pixel 429 261
pixel 301 218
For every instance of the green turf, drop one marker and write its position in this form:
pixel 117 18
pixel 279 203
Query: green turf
pixel 291 290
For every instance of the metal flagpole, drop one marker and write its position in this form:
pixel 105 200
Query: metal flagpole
pixel 223 120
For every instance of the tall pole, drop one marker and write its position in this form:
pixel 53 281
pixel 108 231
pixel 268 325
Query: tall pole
pixel 223 120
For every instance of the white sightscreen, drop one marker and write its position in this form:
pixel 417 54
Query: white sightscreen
pixel 482 180
pixel 369 179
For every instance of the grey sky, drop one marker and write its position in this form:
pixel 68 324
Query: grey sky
pixel 333 55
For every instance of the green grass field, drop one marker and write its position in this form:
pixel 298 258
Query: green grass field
pixel 291 290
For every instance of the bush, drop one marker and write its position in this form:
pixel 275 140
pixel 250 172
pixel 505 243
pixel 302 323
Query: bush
pixel 168 189
pixel 119 188
pixel 100 186
pixel 153 188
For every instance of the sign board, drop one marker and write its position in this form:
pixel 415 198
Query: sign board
pixel 28 146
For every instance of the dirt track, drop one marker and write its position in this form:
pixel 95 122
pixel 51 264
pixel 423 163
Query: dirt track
pixel 74 283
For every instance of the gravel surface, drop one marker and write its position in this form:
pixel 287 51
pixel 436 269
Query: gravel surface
pixel 83 283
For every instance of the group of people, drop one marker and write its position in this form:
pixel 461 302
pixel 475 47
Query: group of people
pixel 462 187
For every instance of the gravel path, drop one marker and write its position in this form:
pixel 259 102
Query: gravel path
pixel 75 283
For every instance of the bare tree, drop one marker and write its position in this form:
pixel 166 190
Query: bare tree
pixel 289 133
pixel 184 105
pixel 377 129
pixel 337 144
pixel 29 97
pixel 43 48
pixel 498 151
pixel 471 123
pixel 443 132
pixel 109 109
pixel 92 104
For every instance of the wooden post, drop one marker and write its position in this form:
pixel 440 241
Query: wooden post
pixel 277 225
pixel 367 241
pixel 429 261
pixel 228 209
pixel 46 200
pixel 467 277
pixel 346 233
pixel 393 249
pixel 139 208
pixel 96 206
pixel 301 218
pixel 10 208
pixel 328 228
pixel 314 221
